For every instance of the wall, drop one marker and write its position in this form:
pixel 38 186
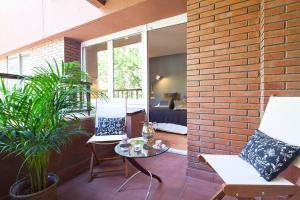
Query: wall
pixel 280 48
pixel 239 53
pixel 172 69
pixel 63 49
pixel 72 50
pixel 40 19
pixel 47 52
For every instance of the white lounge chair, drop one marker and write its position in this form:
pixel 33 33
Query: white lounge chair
pixel 281 121
pixel 107 109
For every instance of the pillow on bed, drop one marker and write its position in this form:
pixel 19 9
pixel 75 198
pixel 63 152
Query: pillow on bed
pixel 268 155
pixel 163 104
pixel 180 105
pixel 166 104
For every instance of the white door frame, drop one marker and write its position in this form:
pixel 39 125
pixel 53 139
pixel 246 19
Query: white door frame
pixel 143 30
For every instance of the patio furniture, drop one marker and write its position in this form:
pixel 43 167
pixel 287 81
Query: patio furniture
pixel 241 180
pixel 107 110
pixel 146 151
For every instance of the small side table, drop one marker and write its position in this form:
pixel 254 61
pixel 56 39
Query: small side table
pixel 147 151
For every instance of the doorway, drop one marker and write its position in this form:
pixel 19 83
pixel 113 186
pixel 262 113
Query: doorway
pixel 167 83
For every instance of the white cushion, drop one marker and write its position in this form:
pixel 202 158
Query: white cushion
pixel 106 138
pixel 234 170
pixel 281 119
pixel 110 109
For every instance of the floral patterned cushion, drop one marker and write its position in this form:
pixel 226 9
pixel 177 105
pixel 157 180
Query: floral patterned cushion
pixel 268 155
pixel 110 126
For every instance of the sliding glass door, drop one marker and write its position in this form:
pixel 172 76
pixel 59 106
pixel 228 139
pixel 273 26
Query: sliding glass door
pixel 127 69
pixel 118 63
pixel 116 68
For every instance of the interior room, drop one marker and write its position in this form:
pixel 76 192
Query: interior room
pixel 167 82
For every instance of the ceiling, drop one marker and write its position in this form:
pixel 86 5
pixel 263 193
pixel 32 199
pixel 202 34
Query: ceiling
pixel 167 41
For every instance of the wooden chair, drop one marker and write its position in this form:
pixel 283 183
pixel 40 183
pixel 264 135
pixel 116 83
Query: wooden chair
pixel 109 110
pixel 281 121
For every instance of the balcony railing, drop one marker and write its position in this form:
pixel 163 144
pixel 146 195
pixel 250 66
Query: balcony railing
pixel 129 93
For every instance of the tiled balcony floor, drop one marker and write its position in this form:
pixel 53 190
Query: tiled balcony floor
pixel 170 167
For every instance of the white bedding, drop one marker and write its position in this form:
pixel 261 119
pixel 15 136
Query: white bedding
pixel 168 127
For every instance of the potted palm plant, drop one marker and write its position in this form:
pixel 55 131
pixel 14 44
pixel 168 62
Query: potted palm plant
pixel 35 117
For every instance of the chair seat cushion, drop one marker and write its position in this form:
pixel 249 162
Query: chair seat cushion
pixel 105 138
pixel 236 171
pixel 110 126
pixel 268 155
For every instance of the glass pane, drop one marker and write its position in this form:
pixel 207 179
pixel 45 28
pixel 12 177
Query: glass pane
pixel 102 59
pixel 128 67
pixel 11 83
pixel 96 61
pixel 13 66
pixel 3 66
pixel 27 68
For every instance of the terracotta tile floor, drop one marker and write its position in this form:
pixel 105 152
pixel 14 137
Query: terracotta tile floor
pixel 170 167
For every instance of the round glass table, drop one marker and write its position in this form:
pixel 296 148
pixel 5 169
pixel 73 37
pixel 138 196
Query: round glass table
pixel 137 148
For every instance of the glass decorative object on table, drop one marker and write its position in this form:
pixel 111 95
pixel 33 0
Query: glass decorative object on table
pixel 147 133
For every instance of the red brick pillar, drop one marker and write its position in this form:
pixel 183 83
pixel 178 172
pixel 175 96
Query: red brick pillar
pixel 72 50
pixel 223 80
pixel 281 49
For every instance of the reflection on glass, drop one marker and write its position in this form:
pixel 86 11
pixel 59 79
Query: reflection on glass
pixel 96 61
pixel 27 68
pixel 102 60
pixel 128 67
pixel 13 67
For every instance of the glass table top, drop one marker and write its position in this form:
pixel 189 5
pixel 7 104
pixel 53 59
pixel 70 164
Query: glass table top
pixel 137 148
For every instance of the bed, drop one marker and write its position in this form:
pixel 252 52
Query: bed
pixel 169 120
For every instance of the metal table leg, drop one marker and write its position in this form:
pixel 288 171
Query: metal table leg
pixel 131 177
pixel 141 170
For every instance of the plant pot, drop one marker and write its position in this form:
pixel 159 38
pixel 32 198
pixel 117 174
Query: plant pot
pixel 50 193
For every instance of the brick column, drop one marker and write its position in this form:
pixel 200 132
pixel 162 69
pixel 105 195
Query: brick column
pixel 222 76
pixel 72 50
pixel 240 52
pixel 280 49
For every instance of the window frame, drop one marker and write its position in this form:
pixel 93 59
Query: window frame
pixel 21 55
pixel 20 61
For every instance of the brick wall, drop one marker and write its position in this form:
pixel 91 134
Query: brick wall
pixel 280 48
pixel 46 52
pixel 239 53
pixel 63 49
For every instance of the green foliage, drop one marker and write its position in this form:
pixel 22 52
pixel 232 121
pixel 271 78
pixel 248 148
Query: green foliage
pixel 35 116
pixel 102 70
pixel 127 68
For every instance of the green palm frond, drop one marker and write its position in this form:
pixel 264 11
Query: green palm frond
pixel 34 117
